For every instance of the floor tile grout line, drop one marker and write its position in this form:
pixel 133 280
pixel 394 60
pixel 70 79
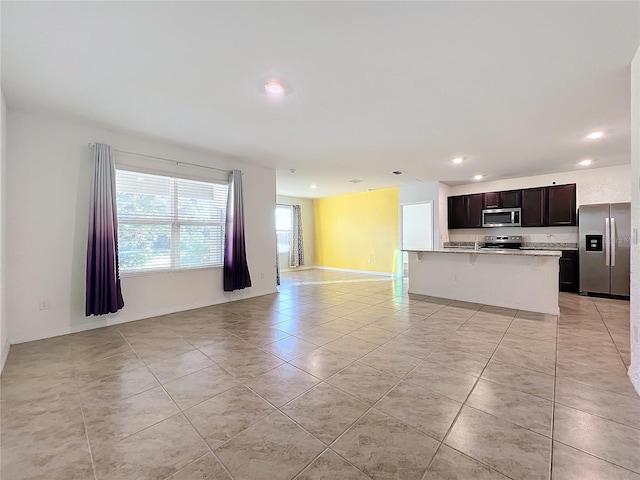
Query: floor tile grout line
pixel 181 412
pixel 636 472
pixel 553 405
pixel 187 466
pixel 86 428
pixel 617 422
pixel 451 426
pixel 327 449
pixel 465 455
pixel 609 332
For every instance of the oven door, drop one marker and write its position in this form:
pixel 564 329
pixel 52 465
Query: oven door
pixel 501 217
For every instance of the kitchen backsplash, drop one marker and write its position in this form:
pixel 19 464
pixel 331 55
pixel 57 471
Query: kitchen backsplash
pixel 545 235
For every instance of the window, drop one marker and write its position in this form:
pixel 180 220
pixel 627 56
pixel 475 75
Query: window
pixel 167 223
pixel 283 228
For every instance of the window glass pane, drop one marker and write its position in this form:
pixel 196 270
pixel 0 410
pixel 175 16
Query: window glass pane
pixel 143 196
pixel 284 240
pixel 144 247
pixel 201 201
pixel 200 245
pixel 283 218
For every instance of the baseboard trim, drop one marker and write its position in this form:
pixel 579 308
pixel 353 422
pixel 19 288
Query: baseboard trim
pixel 634 375
pixel 366 272
pixel 4 354
pixel 295 269
pixel 123 317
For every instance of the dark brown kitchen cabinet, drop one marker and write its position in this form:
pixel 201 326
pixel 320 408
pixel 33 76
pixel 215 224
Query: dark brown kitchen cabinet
pixel 511 199
pixel 474 210
pixel 465 211
pixel 534 207
pixel 561 205
pixel 508 199
pixel 569 271
pixel 457 212
pixel 491 200
pixel 554 205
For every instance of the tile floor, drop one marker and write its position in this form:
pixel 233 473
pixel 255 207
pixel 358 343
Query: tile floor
pixel 339 376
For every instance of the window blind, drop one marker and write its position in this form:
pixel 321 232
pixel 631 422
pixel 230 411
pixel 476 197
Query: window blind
pixel 167 223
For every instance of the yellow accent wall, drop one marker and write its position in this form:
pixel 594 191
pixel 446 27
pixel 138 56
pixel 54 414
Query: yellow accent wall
pixel 358 231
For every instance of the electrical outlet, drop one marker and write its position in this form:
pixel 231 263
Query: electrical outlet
pixel 44 305
pixel 262 275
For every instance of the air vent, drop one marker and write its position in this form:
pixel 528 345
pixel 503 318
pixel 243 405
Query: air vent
pixel 355 180
pixel 397 172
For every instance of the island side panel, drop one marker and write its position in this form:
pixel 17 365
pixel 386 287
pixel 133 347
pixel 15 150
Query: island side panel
pixel 514 281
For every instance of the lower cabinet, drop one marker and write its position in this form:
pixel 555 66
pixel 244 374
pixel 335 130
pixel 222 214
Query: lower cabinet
pixel 569 278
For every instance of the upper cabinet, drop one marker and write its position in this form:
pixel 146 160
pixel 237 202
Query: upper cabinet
pixel 457 212
pixel 508 199
pixel 534 207
pixel 474 210
pixel 562 205
pixel 491 200
pixel 465 211
pixel 511 199
pixel 541 207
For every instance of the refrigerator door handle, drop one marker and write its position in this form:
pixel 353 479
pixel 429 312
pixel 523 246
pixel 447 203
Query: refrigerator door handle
pixel 607 241
pixel 613 242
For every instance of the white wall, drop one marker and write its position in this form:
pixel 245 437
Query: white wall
pixel 306 211
pixel 4 327
pixel 634 370
pixel 593 185
pixel 425 192
pixel 48 186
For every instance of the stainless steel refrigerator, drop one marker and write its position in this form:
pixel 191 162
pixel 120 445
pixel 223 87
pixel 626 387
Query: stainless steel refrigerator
pixel 605 234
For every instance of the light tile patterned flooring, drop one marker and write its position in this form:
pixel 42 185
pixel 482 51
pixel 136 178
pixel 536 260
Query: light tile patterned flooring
pixel 340 376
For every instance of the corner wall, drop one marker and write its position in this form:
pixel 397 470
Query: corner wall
pixel 48 182
pixel 634 369
pixel 435 192
pixel 358 232
pixel 4 324
pixel 306 209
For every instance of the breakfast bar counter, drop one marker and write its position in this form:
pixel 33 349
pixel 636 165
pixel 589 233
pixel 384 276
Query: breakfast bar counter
pixel 519 279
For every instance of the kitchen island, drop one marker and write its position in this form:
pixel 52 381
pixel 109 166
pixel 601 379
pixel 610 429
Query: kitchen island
pixel 519 279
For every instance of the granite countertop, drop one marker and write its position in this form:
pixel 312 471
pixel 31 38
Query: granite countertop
pixel 525 246
pixel 494 251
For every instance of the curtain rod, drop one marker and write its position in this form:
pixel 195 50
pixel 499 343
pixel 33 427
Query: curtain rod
pixel 176 162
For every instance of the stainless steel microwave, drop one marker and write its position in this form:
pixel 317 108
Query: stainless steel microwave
pixel 501 217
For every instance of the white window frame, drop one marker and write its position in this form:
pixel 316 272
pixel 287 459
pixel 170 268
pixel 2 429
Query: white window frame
pixel 175 223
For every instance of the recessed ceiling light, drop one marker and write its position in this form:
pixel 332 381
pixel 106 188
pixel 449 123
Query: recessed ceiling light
pixel 313 186
pixel 274 89
pixel 397 172
pixel 355 180
pixel 595 135
pixel 457 160
pixel 478 177
pixel 584 163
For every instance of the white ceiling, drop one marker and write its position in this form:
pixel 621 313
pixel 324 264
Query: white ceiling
pixel 512 87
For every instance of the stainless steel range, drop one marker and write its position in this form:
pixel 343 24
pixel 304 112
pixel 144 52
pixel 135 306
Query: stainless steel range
pixel 503 241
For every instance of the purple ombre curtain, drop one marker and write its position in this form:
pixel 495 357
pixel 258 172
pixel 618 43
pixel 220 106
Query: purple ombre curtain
pixel 236 270
pixel 103 293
